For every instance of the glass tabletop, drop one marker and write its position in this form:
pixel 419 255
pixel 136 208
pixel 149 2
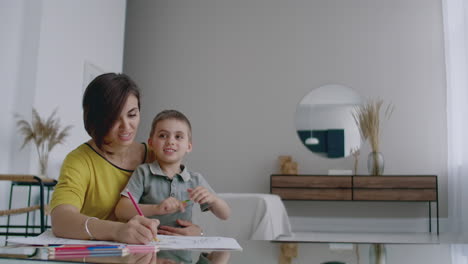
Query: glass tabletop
pixel 259 252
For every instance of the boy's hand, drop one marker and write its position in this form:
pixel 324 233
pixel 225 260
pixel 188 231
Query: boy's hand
pixel 201 195
pixel 171 205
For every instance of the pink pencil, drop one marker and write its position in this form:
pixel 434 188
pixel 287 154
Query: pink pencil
pixel 137 207
pixel 141 248
pixel 134 203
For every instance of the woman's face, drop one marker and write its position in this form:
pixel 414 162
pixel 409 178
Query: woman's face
pixel 124 130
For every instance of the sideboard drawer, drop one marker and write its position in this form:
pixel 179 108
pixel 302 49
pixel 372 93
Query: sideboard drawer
pixel 311 181
pixel 395 195
pixel 388 182
pixel 313 194
pixel 355 187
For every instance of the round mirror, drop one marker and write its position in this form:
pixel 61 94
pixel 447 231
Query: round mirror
pixel 324 121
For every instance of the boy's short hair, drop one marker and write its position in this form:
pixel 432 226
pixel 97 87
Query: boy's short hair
pixel 171 114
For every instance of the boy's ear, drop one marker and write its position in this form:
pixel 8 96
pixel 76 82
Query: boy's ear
pixel 189 149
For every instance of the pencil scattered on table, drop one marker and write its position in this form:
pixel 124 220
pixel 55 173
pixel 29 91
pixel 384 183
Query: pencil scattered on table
pixel 76 251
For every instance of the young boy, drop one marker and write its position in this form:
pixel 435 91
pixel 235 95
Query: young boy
pixel 165 188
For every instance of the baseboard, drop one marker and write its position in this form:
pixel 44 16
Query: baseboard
pixel 342 224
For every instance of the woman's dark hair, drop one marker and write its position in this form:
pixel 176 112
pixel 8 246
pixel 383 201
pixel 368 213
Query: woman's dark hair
pixel 103 100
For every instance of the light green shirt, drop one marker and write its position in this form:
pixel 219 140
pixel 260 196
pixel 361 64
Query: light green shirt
pixel 149 185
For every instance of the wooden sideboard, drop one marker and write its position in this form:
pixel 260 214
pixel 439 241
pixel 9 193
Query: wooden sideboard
pixel 397 188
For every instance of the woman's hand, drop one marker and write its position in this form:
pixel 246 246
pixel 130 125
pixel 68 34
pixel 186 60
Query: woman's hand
pixel 187 229
pixel 138 230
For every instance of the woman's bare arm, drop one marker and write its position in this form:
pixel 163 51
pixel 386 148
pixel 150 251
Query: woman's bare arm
pixel 68 222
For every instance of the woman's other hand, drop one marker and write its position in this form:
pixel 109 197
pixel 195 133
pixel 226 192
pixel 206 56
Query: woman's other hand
pixel 187 229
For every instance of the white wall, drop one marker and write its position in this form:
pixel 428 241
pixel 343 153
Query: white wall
pixel 46 45
pixel 238 69
pixel 49 42
pixel 11 16
pixel 73 33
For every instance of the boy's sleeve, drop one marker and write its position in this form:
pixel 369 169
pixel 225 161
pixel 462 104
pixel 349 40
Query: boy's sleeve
pixel 136 183
pixel 202 182
pixel 72 184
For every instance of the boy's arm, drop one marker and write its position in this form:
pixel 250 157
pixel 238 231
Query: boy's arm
pixel 204 194
pixel 220 208
pixel 125 210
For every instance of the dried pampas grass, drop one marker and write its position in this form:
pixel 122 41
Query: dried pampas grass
pixel 367 118
pixel 45 134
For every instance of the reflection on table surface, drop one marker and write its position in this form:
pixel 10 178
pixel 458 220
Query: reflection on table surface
pixel 8 254
pixel 259 252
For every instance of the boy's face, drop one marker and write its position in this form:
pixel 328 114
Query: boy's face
pixel 170 141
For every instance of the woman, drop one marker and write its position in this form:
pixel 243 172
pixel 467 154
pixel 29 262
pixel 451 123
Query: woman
pixel 93 175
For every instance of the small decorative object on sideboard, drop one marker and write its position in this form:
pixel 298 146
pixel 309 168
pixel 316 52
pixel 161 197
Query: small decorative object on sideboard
pixel 355 152
pixel 287 165
pixel 288 252
pixel 44 133
pixel 367 118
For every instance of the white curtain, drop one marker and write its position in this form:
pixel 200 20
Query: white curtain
pixel 455 15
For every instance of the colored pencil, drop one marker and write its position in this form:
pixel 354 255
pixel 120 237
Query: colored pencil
pixel 89 254
pixel 135 204
pixel 102 249
pixel 142 248
pixel 85 247
pixel 143 251
pixel 115 251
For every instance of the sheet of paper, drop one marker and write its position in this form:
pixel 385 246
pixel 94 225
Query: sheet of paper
pixel 166 242
pixel 197 242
